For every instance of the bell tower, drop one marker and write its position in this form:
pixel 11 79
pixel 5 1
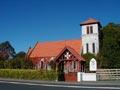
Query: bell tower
pixel 90 36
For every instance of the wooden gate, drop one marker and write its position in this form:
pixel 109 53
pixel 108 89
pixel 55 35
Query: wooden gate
pixel 66 76
pixel 71 77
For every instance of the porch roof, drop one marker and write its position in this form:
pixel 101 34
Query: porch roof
pixel 76 54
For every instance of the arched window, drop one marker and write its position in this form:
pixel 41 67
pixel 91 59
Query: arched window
pixel 87 29
pixel 87 47
pixel 93 45
pixel 91 29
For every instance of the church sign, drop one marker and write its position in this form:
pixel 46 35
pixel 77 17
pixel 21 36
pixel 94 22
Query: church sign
pixel 93 65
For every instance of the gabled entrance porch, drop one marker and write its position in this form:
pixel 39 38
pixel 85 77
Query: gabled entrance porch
pixel 68 63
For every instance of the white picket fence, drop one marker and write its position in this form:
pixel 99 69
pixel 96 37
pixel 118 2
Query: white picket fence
pixel 108 74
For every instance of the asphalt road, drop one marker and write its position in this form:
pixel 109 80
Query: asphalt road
pixel 27 85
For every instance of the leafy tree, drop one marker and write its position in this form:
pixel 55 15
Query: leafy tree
pixel 6 51
pixel 20 62
pixel 1 64
pixel 9 58
pixel 109 55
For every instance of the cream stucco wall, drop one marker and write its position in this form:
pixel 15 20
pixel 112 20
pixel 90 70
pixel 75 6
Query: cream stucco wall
pixel 90 38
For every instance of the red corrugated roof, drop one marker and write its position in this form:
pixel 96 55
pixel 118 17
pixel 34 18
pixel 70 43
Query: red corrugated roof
pixel 50 49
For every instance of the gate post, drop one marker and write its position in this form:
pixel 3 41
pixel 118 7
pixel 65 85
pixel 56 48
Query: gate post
pixel 79 76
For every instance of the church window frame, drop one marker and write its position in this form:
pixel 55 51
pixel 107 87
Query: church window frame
pixel 93 46
pixel 87 29
pixel 87 47
pixel 74 65
pixel 91 29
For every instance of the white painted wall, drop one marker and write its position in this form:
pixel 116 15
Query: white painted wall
pixel 89 77
pixel 95 28
pixel 90 38
pixel 86 77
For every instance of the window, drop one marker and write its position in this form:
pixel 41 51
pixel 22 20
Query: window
pixel 91 29
pixel 87 29
pixel 87 47
pixel 74 65
pixel 93 45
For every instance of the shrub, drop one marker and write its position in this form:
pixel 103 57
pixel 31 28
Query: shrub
pixel 28 74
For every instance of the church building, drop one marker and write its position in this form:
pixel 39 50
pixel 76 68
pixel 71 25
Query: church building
pixel 65 56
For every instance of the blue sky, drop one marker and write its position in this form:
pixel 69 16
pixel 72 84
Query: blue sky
pixel 24 22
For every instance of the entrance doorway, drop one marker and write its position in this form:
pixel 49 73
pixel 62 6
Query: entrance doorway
pixel 61 71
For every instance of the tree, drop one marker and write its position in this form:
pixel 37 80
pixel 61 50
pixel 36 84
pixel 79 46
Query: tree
pixel 9 58
pixel 19 61
pixel 6 51
pixel 109 55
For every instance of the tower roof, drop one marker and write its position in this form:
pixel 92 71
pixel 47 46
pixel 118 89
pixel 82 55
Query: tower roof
pixel 90 21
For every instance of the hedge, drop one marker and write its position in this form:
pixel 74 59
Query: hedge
pixel 28 74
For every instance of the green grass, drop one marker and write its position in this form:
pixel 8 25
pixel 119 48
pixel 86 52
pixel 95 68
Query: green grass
pixel 28 74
